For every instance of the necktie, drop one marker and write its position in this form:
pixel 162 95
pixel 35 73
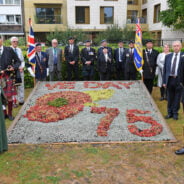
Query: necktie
pixel 55 56
pixel 16 51
pixel 174 65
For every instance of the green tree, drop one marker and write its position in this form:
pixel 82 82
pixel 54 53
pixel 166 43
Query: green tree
pixel 62 36
pixel 174 15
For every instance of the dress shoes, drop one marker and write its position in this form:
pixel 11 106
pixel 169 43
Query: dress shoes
pixel 6 116
pixel 21 103
pixel 175 117
pixel 11 118
pixel 168 116
pixel 180 152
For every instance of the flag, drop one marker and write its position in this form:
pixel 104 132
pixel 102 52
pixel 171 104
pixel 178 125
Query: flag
pixel 31 45
pixel 138 51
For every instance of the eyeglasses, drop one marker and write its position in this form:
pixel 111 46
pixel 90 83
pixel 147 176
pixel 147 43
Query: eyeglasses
pixel 15 41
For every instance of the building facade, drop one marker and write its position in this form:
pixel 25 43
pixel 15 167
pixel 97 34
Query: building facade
pixel 11 18
pixel 46 16
pixel 151 9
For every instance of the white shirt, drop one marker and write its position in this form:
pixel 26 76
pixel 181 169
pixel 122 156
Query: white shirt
pixel 20 56
pixel 120 53
pixel 106 57
pixel 177 63
pixel 71 48
pixel 1 49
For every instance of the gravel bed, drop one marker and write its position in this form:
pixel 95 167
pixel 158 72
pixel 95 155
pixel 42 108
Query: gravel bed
pixel 82 127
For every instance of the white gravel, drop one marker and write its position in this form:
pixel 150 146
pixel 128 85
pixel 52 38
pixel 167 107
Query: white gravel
pixel 82 127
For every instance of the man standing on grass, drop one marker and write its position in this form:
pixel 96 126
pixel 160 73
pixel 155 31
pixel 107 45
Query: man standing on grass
pixel 18 51
pixel 172 80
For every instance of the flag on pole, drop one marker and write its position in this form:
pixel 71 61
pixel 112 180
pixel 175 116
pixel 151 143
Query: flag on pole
pixel 31 45
pixel 138 51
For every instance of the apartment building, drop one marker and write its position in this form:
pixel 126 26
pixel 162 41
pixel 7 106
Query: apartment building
pixel 151 10
pixel 46 16
pixel 11 18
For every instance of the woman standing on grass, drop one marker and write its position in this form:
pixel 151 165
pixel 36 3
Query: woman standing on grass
pixel 160 64
pixel 3 136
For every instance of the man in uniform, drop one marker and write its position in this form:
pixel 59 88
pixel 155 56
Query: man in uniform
pixel 128 57
pixel 120 63
pixel 9 64
pixel 72 58
pixel 150 63
pixel 88 57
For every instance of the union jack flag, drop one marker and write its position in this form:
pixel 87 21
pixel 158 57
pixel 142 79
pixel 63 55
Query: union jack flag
pixel 138 55
pixel 31 45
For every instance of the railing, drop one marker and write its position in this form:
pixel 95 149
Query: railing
pixel 132 2
pixel 45 19
pixel 133 19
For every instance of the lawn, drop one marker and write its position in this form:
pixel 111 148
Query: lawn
pixel 133 163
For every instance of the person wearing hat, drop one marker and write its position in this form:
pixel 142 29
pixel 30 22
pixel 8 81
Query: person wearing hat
pixel 88 57
pixel 103 45
pixel 104 64
pixel 54 55
pixel 72 57
pixel 128 57
pixel 149 66
pixel 41 69
pixel 9 64
pixel 120 63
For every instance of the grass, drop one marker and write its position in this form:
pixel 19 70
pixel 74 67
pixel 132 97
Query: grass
pixel 137 163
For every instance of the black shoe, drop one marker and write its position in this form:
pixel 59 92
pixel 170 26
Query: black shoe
pixel 175 117
pixel 168 116
pixel 11 118
pixel 6 116
pixel 21 103
pixel 180 152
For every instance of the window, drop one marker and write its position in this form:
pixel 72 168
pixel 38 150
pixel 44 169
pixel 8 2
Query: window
pixel 10 19
pixel 48 15
pixel 106 15
pixel 144 1
pixel 1 1
pixel 144 16
pixel 156 13
pixel 132 16
pixel 82 15
pixel 134 2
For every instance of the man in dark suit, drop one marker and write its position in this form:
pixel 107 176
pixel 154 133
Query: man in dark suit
pixel 9 64
pixel 54 55
pixel 150 63
pixel 104 45
pixel 88 57
pixel 72 57
pixel 172 80
pixel 104 64
pixel 128 57
pixel 41 70
pixel 120 63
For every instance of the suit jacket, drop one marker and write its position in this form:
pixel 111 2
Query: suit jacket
pixel 129 61
pixel 41 66
pixel 72 56
pixel 116 55
pixel 167 68
pixel 50 56
pixel 149 67
pixel 9 57
pixel 88 55
pixel 100 51
pixel 104 66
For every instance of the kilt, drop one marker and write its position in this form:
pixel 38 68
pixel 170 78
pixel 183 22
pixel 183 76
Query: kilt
pixel 10 89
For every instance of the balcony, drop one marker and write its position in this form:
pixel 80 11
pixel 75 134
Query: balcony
pixel 132 2
pixel 11 29
pixel 133 19
pixel 45 19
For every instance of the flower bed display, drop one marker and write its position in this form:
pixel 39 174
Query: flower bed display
pixel 90 111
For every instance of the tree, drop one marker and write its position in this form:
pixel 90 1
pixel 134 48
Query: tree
pixel 174 15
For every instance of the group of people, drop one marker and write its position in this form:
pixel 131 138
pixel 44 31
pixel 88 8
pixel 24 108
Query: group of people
pixel 168 66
